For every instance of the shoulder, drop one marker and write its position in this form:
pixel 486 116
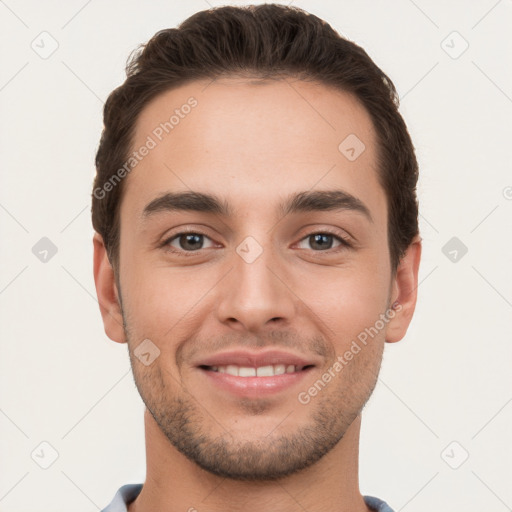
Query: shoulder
pixel 377 504
pixel 124 495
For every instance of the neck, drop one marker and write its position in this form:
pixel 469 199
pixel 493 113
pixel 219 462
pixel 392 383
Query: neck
pixel 174 483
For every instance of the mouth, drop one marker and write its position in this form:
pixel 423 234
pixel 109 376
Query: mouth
pixel 253 375
pixel 260 371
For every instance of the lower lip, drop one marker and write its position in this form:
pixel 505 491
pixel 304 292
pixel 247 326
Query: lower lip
pixel 254 387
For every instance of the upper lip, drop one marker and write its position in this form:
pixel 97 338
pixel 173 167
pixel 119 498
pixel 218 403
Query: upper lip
pixel 256 359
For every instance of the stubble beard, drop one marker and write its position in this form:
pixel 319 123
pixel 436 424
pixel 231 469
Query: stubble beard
pixel 188 425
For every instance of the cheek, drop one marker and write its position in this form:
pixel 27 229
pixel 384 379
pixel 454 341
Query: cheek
pixel 161 302
pixel 347 300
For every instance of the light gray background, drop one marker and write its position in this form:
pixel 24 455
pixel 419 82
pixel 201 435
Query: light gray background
pixel 65 383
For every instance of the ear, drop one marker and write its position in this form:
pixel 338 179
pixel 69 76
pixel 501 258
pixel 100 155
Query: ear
pixel 404 292
pixel 107 293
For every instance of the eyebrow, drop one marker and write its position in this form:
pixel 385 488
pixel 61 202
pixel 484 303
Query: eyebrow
pixel 301 202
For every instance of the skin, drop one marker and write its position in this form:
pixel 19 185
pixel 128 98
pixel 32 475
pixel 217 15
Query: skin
pixel 253 145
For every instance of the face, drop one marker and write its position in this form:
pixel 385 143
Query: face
pixel 254 272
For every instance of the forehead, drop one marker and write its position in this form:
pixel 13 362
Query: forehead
pixel 246 140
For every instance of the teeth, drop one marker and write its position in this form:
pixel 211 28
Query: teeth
pixel 279 369
pixel 245 371
pixel 231 369
pixel 262 371
pixel 265 371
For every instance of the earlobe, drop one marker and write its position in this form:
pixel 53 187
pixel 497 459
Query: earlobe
pixel 107 293
pixel 405 288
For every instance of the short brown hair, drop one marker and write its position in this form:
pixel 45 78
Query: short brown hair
pixel 263 41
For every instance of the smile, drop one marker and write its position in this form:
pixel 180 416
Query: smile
pixel 261 371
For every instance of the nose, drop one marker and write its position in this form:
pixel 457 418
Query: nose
pixel 255 295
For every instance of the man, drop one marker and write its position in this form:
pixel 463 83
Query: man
pixel 256 244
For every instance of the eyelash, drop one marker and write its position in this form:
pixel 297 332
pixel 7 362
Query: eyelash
pixel 344 242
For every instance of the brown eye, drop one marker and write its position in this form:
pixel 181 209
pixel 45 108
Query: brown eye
pixel 188 242
pixel 323 241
